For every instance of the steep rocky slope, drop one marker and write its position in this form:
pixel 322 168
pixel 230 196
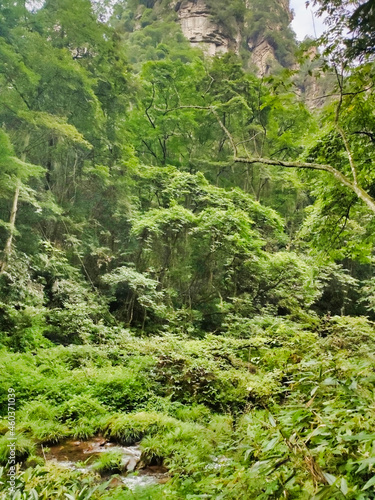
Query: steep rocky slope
pixel 258 30
pixel 201 27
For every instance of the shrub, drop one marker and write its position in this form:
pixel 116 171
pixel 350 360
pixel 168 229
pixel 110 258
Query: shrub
pixel 194 413
pixel 50 481
pixel 111 461
pixel 81 406
pixel 24 448
pixel 123 388
pixel 38 410
pixel 84 428
pixel 128 429
pixel 45 431
pixel 182 448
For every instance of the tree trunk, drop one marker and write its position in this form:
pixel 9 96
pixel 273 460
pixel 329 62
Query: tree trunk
pixel 12 227
pixel 12 220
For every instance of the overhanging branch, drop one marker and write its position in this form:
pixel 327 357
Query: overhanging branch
pixel 345 181
pixel 340 177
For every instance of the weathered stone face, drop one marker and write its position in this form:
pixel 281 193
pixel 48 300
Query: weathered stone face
pixel 262 56
pixel 199 29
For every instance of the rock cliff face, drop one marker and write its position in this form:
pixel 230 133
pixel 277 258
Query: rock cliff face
pixel 199 28
pixel 262 56
pixel 257 30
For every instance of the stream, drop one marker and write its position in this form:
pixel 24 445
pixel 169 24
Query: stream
pixel 81 455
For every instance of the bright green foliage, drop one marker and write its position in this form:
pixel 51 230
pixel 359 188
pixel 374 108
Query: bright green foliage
pixel 307 396
pixel 110 461
pixel 162 293
pixel 40 482
pixel 23 447
pixel 338 222
pixel 351 33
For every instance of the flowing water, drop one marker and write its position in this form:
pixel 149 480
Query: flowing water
pixel 81 455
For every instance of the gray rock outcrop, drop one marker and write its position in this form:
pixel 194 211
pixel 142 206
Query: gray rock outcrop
pixel 199 28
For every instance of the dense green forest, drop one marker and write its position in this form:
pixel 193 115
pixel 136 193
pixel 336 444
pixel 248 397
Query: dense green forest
pixel 186 254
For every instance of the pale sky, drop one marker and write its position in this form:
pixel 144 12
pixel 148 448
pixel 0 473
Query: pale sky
pixel 303 23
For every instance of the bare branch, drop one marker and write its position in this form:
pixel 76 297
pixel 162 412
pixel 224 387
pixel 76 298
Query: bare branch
pixel 350 156
pixel 209 86
pixel 370 135
pixel 228 134
pixel 149 107
pixel 339 78
pixel 335 94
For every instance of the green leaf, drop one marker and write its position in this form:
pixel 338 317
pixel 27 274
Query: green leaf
pixel 314 390
pixel 344 486
pixel 370 482
pixel 272 420
pixel 361 436
pixel 33 494
pixel 271 444
pixel 330 381
pixel 366 463
pixel 331 479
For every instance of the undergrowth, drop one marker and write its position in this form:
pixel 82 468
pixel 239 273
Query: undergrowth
pixel 286 412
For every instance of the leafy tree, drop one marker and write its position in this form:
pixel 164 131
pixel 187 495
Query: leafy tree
pixel 350 27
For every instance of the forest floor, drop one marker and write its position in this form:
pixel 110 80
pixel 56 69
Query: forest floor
pixel 285 411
